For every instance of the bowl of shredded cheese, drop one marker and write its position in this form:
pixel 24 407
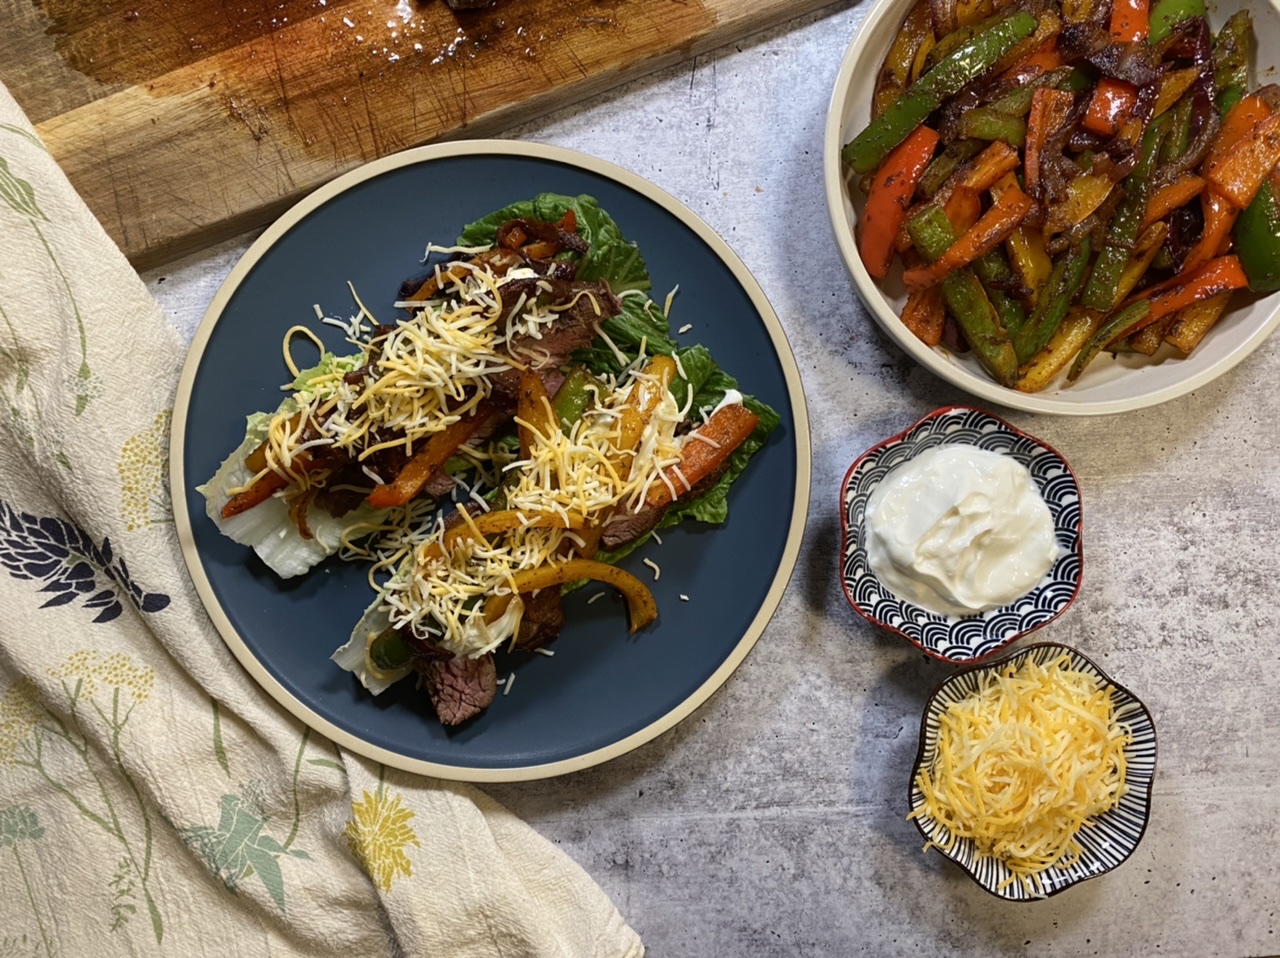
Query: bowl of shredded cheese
pixel 1034 772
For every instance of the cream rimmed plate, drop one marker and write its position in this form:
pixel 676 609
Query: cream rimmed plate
pixel 604 692
pixel 1110 384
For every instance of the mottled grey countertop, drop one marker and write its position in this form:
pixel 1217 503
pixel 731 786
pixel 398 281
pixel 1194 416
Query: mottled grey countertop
pixel 771 822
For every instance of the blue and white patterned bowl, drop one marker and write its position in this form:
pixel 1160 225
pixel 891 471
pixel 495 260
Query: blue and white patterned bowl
pixel 1107 842
pixel 970 638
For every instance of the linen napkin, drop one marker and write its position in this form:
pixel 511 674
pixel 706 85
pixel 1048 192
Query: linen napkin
pixel 153 800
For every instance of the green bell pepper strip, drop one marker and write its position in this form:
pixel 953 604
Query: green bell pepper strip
pixel 959 68
pixel 1099 293
pixel 1167 13
pixel 573 396
pixel 1054 300
pixel 1115 327
pixel 945 163
pixel 985 123
pixel 996 275
pixel 1257 240
pixel 1175 144
pixel 389 651
pixel 964 296
pixel 1231 60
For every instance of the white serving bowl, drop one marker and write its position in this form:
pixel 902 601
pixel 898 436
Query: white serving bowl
pixel 1110 384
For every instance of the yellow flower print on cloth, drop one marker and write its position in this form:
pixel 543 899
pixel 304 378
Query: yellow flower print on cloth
pixel 19 712
pixel 378 835
pixel 144 470
pixel 115 672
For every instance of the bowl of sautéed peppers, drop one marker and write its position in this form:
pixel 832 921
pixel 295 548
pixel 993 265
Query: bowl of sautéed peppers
pixel 1063 206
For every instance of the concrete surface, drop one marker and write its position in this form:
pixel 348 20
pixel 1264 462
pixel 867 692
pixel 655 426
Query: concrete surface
pixel 771 822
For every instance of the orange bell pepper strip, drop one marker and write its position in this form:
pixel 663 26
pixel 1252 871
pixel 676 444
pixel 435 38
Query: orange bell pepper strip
pixel 1220 275
pixel 1009 210
pixel 1049 111
pixel 890 195
pixel 1239 174
pixel 1042 61
pixel 492 523
pixel 1110 106
pixel 705 450
pixel 535 417
pixel 260 491
pixel 641 607
pixel 963 208
pixel 925 315
pixel 1240 119
pixel 1130 20
pixel 434 453
pixel 1171 196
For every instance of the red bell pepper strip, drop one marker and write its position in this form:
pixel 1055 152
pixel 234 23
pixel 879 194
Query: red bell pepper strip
pixel 1219 217
pixel 1130 20
pixel 1220 275
pixel 890 195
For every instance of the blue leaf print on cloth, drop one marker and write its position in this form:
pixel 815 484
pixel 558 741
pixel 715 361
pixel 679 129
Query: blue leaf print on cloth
pixel 70 564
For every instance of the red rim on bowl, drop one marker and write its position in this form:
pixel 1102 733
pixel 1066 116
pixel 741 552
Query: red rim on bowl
pixel 987 634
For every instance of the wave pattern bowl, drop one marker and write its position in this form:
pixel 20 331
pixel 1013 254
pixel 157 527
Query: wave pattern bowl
pixel 1106 843
pixel 971 638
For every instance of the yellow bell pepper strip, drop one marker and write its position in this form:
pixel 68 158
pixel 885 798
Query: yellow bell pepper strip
pixel 1074 331
pixel 641 608
pixel 889 197
pixel 1191 324
pixel 925 315
pixel 1121 320
pixel 1172 86
pixel 966 63
pixel 1148 247
pixel 1085 193
pixel 705 449
pixel 1129 20
pixel 1053 301
pixel 966 300
pixel 1170 196
pixel 1010 209
pixel 493 523
pixel 435 452
pixel 895 75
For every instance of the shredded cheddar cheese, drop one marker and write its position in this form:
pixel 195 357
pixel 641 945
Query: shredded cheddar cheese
pixel 1024 763
pixel 582 476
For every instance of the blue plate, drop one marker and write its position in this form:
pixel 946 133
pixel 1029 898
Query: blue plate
pixel 604 692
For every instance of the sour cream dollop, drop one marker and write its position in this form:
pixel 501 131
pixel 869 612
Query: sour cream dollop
pixel 959 530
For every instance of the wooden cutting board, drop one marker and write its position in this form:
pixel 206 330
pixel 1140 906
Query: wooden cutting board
pixel 182 122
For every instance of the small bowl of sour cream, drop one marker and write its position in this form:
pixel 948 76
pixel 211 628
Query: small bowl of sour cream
pixel 961 534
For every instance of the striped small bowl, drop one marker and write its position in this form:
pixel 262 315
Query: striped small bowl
pixel 1111 838
pixel 970 638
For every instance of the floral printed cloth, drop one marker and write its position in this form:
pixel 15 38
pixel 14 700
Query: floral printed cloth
pixel 153 800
